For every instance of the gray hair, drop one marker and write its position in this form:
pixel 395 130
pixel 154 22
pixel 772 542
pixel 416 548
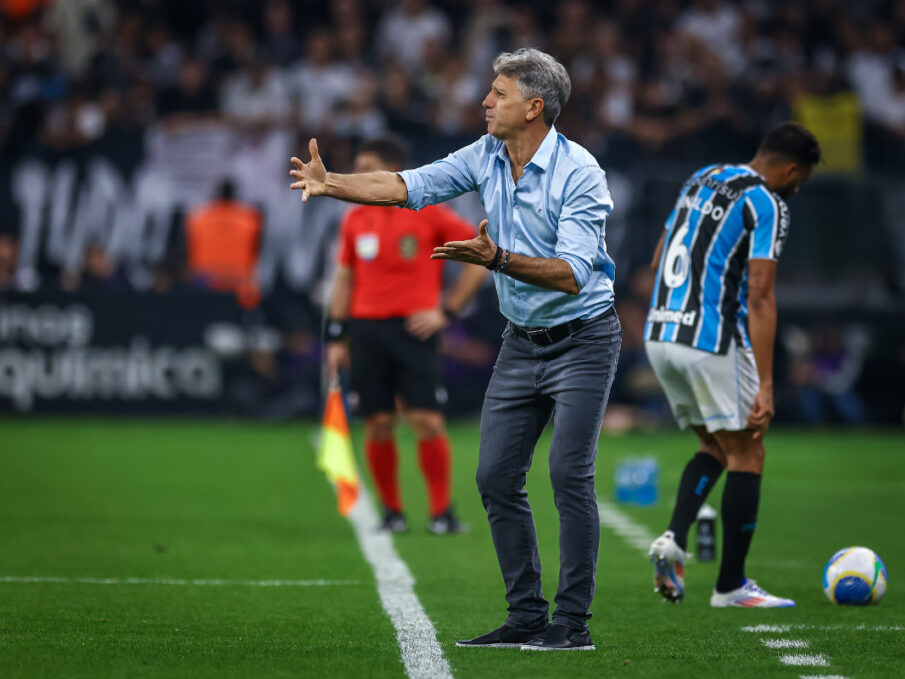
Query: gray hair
pixel 538 75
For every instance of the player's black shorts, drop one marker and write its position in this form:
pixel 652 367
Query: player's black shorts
pixel 388 360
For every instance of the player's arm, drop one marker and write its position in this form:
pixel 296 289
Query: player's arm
pixel 658 252
pixel 762 333
pixel 368 188
pixel 337 351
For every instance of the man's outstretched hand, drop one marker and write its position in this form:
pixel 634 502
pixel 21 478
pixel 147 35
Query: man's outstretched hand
pixel 311 176
pixel 478 250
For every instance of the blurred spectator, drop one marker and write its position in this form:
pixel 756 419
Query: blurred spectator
pixel 163 56
pixel 571 37
pixel 485 28
pixel 407 28
pixel 256 98
pixel 319 82
pixel 716 26
pixel 824 367
pixel 192 98
pixel 457 96
pixel 358 116
pixel 80 27
pixel 223 240
pixel 99 273
pixel 281 42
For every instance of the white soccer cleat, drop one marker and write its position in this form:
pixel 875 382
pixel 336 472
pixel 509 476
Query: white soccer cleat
pixel 749 595
pixel 669 567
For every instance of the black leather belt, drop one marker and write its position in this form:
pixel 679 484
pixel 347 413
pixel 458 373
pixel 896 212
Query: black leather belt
pixel 547 336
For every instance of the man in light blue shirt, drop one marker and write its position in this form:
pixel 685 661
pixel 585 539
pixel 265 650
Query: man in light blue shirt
pixel 547 201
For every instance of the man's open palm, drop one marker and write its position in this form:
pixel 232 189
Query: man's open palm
pixel 477 250
pixel 311 176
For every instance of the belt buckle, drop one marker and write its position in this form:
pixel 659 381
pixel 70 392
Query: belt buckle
pixel 532 332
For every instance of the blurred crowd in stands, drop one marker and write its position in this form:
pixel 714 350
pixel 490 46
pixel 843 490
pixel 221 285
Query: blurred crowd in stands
pixel 656 83
pixel 650 77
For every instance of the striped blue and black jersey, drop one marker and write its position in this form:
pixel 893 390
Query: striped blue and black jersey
pixel 725 216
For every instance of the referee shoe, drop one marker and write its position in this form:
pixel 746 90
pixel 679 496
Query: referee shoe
pixel 393 521
pixel 447 524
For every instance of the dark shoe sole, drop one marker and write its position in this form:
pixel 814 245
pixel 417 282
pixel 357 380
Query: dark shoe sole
pixel 461 644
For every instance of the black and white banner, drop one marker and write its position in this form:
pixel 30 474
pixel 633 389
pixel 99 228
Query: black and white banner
pixel 124 352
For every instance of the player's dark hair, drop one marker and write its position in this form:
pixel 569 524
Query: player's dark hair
pixel 391 149
pixel 793 141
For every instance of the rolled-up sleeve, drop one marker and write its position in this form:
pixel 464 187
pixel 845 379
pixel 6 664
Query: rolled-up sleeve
pixel 582 221
pixel 442 180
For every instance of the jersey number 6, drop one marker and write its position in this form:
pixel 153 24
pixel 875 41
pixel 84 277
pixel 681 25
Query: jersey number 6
pixel 676 264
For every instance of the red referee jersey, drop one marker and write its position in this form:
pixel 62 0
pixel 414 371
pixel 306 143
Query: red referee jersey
pixel 388 250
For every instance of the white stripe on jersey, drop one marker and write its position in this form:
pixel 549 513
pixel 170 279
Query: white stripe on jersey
pixel 775 229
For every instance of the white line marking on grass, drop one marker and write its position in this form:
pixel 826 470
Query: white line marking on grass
pixel 822 676
pixel 38 579
pixel 624 526
pixel 784 643
pixel 801 660
pixel 421 653
pixel 824 628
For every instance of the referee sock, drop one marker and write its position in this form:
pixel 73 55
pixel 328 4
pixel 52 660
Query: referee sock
pixel 700 476
pixel 740 500
pixel 434 456
pixel 383 462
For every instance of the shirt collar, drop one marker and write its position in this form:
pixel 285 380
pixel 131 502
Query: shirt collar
pixel 541 157
pixel 752 170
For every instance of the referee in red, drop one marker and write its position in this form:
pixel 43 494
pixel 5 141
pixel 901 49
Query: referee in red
pixel 386 299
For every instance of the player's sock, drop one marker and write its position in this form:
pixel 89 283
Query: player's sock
pixel 700 476
pixel 740 499
pixel 383 462
pixel 434 456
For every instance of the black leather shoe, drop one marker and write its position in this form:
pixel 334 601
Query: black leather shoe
pixel 559 637
pixel 503 637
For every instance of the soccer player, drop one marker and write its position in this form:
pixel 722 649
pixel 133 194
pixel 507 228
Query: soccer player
pixel 709 337
pixel 386 295
pixel 547 201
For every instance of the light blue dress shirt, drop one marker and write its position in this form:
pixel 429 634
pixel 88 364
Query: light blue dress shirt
pixel 557 209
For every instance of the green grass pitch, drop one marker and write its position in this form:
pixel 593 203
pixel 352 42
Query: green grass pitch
pixel 233 501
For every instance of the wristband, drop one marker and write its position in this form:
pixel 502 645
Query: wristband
pixel 336 330
pixel 504 262
pixel 449 313
pixel 496 258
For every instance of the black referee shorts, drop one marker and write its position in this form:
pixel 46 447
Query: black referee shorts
pixel 388 361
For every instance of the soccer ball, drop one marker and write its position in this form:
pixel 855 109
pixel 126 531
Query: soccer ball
pixel 854 576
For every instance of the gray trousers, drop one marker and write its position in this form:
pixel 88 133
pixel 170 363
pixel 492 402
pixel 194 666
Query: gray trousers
pixel 570 380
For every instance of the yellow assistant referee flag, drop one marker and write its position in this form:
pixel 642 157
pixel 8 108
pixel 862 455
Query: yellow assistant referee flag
pixel 335 456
